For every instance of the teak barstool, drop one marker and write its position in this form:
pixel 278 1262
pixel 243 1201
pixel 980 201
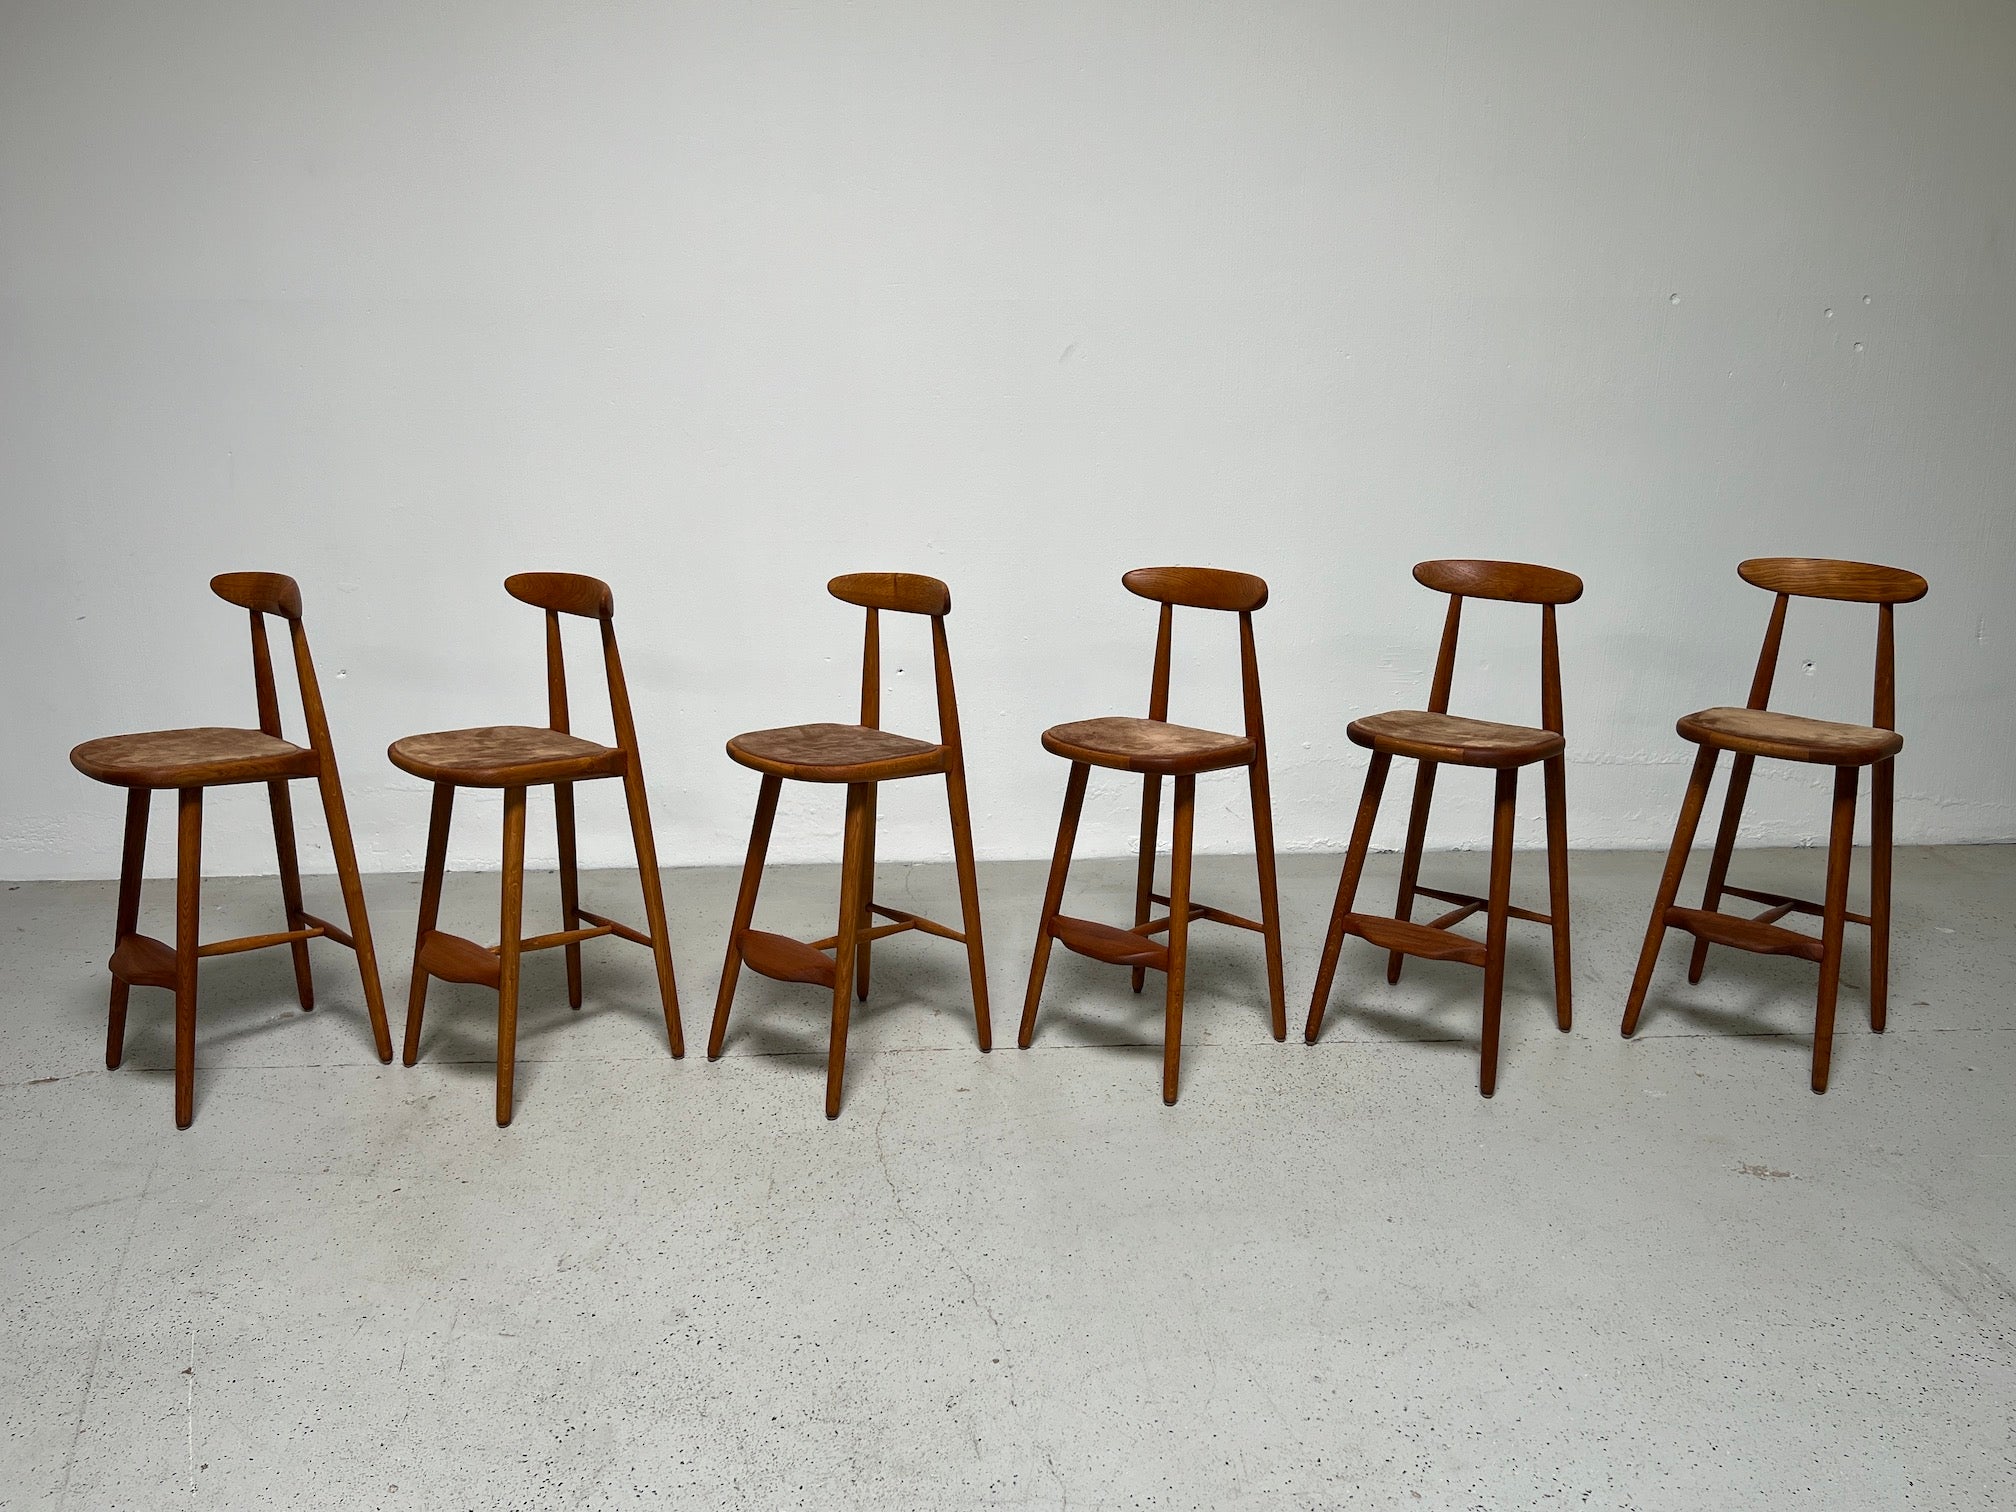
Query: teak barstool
pixel 1434 737
pixel 859 755
pixel 515 757
pixel 189 761
pixel 1156 749
pixel 1754 731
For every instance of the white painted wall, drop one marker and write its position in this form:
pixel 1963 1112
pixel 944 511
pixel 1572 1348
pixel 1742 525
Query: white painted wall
pixel 716 300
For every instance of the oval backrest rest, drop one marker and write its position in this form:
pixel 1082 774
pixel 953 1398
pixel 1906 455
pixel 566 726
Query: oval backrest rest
pixel 563 592
pixel 903 592
pixel 265 592
pixel 1508 582
pixel 1818 577
pixel 1198 587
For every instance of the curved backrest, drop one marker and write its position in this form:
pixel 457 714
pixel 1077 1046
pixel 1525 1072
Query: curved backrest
pixel 261 592
pixel 903 592
pixel 1198 587
pixel 1818 577
pixel 1509 582
pixel 563 592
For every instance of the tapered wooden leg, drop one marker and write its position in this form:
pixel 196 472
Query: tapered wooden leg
pixel 430 911
pixel 510 923
pixel 1270 902
pixel 1725 847
pixel 1410 858
pixel 860 818
pixel 188 909
pixel 1834 920
pixel 570 884
pixel 282 805
pixel 352 884
pixel 1882 803
pixel 1144 870
pixel 863 947
pixel 745 909
pixel 1555 781
pixel 1179 932
pixel 132 860
pixel 1669 882
pixel 1053 896
pixel 1347 890
pixel 654 903
pixel 1504 807
pixel 969 901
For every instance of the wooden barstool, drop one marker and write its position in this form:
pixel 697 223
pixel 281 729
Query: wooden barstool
pixel 188 761
pixel 1754 731
pixel 515 757
pixel 1434 737
pixel 1156 749
pixel 859 755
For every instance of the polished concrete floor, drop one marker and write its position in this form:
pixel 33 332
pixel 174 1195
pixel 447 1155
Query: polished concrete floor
pixel 1648 1274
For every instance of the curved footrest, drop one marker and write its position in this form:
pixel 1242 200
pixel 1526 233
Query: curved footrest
pixel 1102 942
pixel 1744 934
pixel 1422 940
pixel 784 959
pixel 454 959
pixel 143 961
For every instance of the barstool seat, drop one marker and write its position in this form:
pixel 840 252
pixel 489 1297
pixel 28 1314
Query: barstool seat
pixel 1789 737
pixel 1147 745
pixel 207 756
pixel 837 753
pixel 504 756
pixel 1427 736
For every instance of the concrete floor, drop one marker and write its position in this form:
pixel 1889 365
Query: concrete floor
pixel 1648 1274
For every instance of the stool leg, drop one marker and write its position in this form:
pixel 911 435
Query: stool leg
pixel 745 909
pixel 1834 921
pixel 1270 901
pixel 860 819
pixel 1669 882
pixel 345 852
pixel 188 908
pixel 510 921
pixel 654 902
pixel 132 858
pixel 430 911
pixel 282 805
pixel 1347 890
pixel 1144 871
pixel 1882 802
pixel 1410 859
pixel 1555 782
pixel 1725 846
pixel 862 947
pixel 1053 896
pixel 1504 807
pixel 1179 932
pixel 570 884
pixel 969 899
